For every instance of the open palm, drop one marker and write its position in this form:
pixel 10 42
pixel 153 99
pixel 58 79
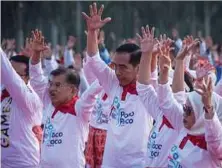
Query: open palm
pixel 37 41
pixel 147 40
pixel 94 21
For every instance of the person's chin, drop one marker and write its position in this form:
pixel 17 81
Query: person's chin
pixel 54 100
pixel 185 124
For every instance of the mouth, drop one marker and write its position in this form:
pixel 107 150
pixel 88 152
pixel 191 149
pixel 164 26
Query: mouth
pixel 52 95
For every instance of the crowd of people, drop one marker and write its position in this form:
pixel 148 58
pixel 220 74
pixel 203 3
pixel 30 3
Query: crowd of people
pixel 154 102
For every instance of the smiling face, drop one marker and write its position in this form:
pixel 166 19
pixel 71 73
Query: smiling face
pixel 188 115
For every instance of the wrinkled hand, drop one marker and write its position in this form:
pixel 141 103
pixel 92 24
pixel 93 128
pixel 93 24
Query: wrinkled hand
pixel 37 41
pixel 94 21
pixel 147 40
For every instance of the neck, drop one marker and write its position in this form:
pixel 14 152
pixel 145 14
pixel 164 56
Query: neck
pixel 56 104
pixel 133 81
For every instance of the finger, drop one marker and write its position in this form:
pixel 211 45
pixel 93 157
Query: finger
pixel 40 36
pixel 33 34
pixel 144 35
pixel 205 82
pixel 43 40
pixel 94 8
pixel 31 41
pixel 86 17
pixel 101 10
pixel 139 37
pixel 26 42
pixel 91 10
pixel 106 20
pixel 210 85
pixel 37 34
pixel 161 38
pixel 164 37
pixel 86 33
pixel 152 32
pixel 200 92
pixel 148 30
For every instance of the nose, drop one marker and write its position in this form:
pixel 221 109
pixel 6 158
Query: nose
pixel 52 88
pixel 118 72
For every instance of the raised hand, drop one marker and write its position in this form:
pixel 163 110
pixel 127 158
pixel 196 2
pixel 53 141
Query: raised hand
pixel 188 46
pixel 27 50
pixel 94 21
pixel 147 40
pixel 203 69
pixel 164 58
pixel 37 41
pixel 205 90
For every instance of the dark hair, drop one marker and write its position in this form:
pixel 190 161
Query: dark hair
pixel 72 77
pixel 70 67
pixel 22 59
pixel 133 50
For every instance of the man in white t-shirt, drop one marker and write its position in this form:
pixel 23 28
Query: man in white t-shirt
pixel 67 116
pixel 130 123
pixel 21 114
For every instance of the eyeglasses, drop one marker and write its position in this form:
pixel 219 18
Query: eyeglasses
pixel 57 85
pixel 187 110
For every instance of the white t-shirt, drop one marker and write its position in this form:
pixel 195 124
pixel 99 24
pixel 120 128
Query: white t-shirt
pixel 185 153
pixel 129 125
pixel 65 134
pixel 162 135
pixel 20 112
pixel 101 111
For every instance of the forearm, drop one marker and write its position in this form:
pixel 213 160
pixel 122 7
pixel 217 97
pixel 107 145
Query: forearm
pixel 163 77
pixel 90 77
pixel 83 82
pixel 171 107
pixel 87 101
pixel 178 78
pixel 145 68
pixel 37 79
pixel 36 58
pixel 92 43
pixel 214 136
pixel 13 83
pixel 154 63
pixel 105 75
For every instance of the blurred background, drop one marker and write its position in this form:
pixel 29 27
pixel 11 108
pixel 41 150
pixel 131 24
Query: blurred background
pixel 59 19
